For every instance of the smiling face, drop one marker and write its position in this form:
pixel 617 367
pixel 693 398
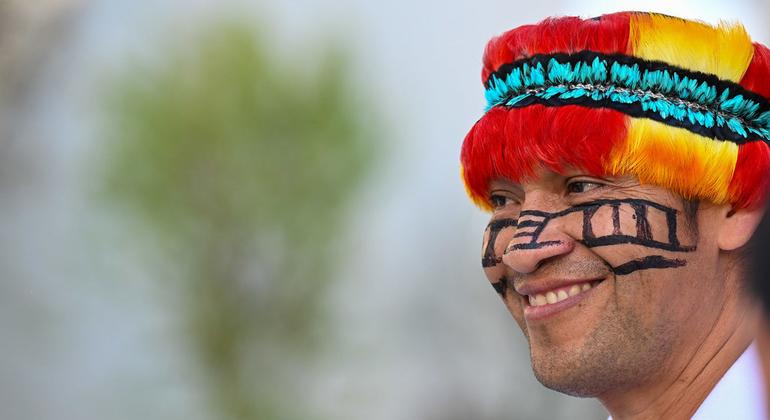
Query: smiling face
pixel 607 278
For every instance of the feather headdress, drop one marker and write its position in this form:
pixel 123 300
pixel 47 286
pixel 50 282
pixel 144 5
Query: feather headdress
pixel 676 103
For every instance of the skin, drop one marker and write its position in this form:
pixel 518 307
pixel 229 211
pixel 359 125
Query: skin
pixel 649 344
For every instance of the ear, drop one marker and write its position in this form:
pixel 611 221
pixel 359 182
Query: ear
pixel 737 227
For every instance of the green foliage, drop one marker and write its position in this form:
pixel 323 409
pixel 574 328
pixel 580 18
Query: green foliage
pixel 244 165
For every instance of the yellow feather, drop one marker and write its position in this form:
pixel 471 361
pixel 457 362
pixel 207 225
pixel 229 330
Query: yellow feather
pixel 725 50
pixel 480 202
pixel 686 163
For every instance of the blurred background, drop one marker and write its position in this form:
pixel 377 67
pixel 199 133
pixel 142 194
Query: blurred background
pixel 252 210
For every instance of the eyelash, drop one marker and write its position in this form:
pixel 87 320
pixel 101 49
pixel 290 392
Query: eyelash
pixel 572 184
pixel 499 201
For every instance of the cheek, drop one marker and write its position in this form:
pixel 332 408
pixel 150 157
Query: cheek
pixel 668 297
pixel 618 219
pixel 648 224
pixel 634 236
pixel 660 301
pixel 492 254
pixel 494 274
pixel 498 275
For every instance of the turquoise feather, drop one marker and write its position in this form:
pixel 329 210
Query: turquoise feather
pixel 621 83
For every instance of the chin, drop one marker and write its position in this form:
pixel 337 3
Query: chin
pixel 569 378
pixel 599 366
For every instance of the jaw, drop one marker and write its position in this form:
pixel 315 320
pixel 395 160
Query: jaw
pixel 582 351
pixel 615 352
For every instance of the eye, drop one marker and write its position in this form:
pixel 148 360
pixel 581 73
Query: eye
pixel 499 201
pixel 577 187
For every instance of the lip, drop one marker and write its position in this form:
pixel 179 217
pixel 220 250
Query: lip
pixel 534 287
pixel 538 313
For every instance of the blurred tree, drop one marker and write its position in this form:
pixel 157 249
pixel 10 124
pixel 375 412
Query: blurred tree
pixel 243 166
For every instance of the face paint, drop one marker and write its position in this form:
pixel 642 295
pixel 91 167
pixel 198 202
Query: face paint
pixel 494 228
pixel 652 261
pixel 501 286
pixel 531 224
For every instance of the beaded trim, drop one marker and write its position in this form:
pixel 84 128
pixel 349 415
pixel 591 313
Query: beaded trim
pixel 698 102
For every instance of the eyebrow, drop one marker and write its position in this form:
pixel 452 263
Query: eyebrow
pixel 507 185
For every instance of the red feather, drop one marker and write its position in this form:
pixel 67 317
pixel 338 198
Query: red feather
pixel 748 188
pixel 757 76
pixel 511 143
pixel 608 35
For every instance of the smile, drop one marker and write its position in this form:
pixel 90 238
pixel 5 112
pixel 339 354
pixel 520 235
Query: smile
pixel 542 301
pixel 557 295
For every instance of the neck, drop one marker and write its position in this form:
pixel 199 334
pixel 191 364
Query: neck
pixel 693 372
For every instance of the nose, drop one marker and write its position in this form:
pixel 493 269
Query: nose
pixel 539 236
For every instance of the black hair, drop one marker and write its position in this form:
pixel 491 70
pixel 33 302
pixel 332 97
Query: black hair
pixel 759 263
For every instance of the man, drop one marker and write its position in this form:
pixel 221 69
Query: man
pixel 624 162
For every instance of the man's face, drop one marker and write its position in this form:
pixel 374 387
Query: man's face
pixel 606 278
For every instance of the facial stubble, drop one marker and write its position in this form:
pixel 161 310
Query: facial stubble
pixel 620 352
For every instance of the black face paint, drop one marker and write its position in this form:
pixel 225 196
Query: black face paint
pixel 652 261
pixel 537 220
pixel 615 219
pixel 533 222
pixel 643 235
pixel 495 227
pixel 501 286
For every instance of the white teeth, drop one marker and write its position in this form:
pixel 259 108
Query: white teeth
pixel 550 298
pixel 561 295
